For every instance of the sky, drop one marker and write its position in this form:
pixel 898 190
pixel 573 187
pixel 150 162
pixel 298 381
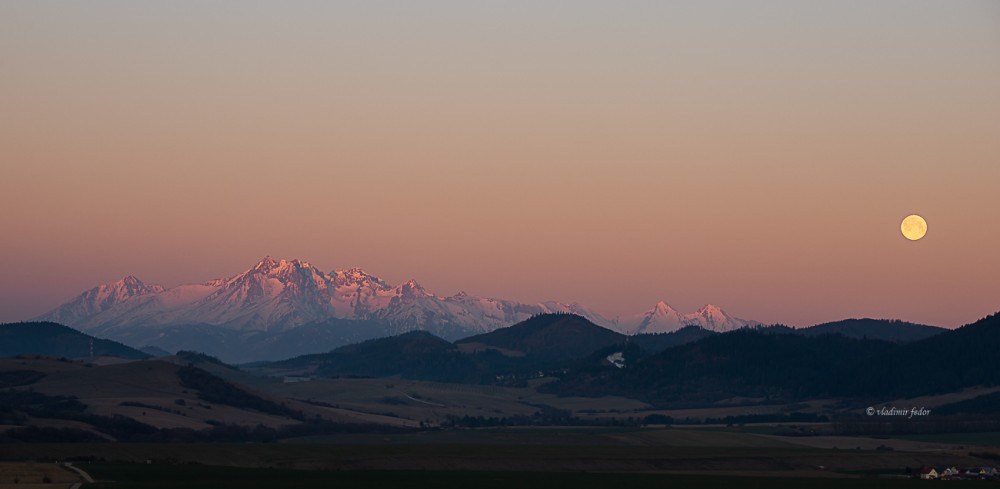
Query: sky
pixel 755 155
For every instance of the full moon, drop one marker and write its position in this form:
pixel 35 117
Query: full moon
pixel 914 227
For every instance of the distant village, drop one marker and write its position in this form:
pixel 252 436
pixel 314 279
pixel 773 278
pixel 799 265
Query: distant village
pixel 959 473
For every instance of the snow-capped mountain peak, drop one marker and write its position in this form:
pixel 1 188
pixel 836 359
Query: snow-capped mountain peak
pixel 412 290
pixel 713 318
pixel 265 265
pixel 102 298
pixel 131 285
pixel 660 318
pixel 664 319
pixel 274 296
pixel 662 308
pixel 357 277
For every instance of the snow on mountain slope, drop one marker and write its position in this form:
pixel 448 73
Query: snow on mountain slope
pixel 102 298
pixel 713 318
pixel 665 319
pixel 661 319
pixel 279 295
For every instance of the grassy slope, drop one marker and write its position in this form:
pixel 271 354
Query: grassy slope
pixel 434 400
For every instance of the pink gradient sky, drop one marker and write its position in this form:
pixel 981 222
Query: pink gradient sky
pixel 755 155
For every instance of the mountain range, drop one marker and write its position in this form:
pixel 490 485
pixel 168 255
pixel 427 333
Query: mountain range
pixel 278 308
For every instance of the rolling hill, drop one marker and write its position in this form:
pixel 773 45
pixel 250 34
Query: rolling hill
pixel 552 337
pixel 412 355
pixel 657 342
pixel 778 365
pixel 56 340
pixel 152 401
pixel 515 353
pixel 874 329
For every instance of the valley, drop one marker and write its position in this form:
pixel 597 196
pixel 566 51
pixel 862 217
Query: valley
pixel 554 393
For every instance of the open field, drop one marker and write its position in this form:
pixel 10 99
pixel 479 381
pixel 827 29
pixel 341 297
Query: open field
pixel 563 436
pixel 150 392
pixel 154 385
pixel 990 439
pixel 209 477
pixel 942 399
pixel 433 402
pixel 532 450
pixel 29 475
pixel 820 406
pixel 45 365
pixel 907 443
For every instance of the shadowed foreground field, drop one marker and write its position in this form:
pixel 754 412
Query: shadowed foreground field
pixel 198 477
pixel 525 457
pixel 791 462
pixel 35 475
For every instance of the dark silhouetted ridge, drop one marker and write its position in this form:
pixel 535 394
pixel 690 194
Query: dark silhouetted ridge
pixel 56 340
pixel 875 329
pixel 556 337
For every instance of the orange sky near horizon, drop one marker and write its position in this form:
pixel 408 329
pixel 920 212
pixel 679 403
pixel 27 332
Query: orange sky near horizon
pixel 755 155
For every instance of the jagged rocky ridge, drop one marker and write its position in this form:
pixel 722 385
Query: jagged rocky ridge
pixel 278 307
